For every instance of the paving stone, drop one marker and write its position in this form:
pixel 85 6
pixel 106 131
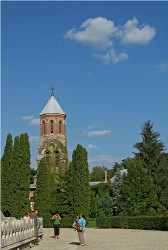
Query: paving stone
pixel 105 239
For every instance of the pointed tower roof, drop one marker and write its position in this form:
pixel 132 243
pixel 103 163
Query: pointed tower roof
pixel 52 107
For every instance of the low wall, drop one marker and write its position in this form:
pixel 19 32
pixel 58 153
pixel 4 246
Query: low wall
pixel 17 233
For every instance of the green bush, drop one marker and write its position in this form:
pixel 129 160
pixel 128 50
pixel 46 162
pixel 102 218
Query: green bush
pixel 103 222
pixel 146 222
pixel 140 222
pixel 47 222
pixel 119 222
pixel 151 212
pixel 91 223
pixel 65 222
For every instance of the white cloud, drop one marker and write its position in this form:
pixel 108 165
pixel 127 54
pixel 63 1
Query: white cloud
pixel 34 122
pixel 99 32
pixel 131 34
pixel 111 57
pixel 100 160
pixel 96 133
pixel 92 147
pixel 96 32
pixel 27 117
pixel 162 66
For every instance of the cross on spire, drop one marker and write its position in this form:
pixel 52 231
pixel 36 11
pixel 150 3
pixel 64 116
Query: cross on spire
pixel 52 88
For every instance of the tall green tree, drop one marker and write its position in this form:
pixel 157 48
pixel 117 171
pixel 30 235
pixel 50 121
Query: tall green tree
pixel 16 176
pixel 60 195
pixel 161 180
pixel 25 172
pixel 6 178
pixel 137 193
pixel 43 191
pixel 150 148
pixel 16 184
pixel 80 181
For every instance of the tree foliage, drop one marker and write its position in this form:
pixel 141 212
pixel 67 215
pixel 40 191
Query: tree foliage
pixel 137 193
pixel 105 204
pixel 116 190
pixel 16 176
pixel 151 154
pixel 80 188
pixel 25 172
pixel 98 173
pixel 150 148
pixel 43 191
pixel 6 178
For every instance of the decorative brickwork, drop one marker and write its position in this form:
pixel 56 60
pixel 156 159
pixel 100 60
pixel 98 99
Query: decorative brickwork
pixel 53 142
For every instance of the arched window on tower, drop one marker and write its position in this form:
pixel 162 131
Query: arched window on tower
pixel 44 127
pixel 47 158
pixel 51 126
pixel 60 127
pixel 57 159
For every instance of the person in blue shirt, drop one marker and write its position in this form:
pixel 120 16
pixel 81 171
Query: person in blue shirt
pixel 81 222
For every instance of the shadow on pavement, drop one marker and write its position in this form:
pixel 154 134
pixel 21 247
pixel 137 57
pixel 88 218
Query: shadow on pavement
pixel 74 243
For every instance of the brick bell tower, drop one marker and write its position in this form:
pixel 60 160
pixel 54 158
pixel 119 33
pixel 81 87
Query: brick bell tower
pixel 53 142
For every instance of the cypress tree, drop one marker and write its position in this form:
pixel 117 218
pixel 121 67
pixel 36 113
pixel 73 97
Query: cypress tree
pixel 80 181
pixel 25 173
pixel 6 178
pixel 16 180
pixel 43 192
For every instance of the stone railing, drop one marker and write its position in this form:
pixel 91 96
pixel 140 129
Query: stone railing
pixel 15 234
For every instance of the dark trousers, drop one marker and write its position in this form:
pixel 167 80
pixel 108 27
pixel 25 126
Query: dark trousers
pixel 56 229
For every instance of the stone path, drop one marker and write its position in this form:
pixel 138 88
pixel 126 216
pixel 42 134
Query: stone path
pixel 105 239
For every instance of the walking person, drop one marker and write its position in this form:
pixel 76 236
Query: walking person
pixel 36 225
pixel 81 222
pixel 56 218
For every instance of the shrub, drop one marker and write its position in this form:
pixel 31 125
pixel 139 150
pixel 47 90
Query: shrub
pixel 65 222
pixel 140 222
pixel 119 222
pixel 91 223
pixel 146 222
pixel 103 222
pixel 151 212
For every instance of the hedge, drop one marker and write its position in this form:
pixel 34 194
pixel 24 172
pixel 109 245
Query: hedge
pixel 65 222
pixel 140 222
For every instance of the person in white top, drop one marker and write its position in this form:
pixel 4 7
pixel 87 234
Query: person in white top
pixel 26 216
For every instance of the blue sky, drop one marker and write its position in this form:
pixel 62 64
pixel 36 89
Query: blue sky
pixel 108 62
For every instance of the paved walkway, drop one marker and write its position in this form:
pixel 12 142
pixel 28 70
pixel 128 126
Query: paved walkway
pixel 105 239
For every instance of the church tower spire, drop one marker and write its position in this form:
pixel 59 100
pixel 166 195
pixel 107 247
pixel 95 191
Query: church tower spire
pixel 53 142
pixel 52 88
